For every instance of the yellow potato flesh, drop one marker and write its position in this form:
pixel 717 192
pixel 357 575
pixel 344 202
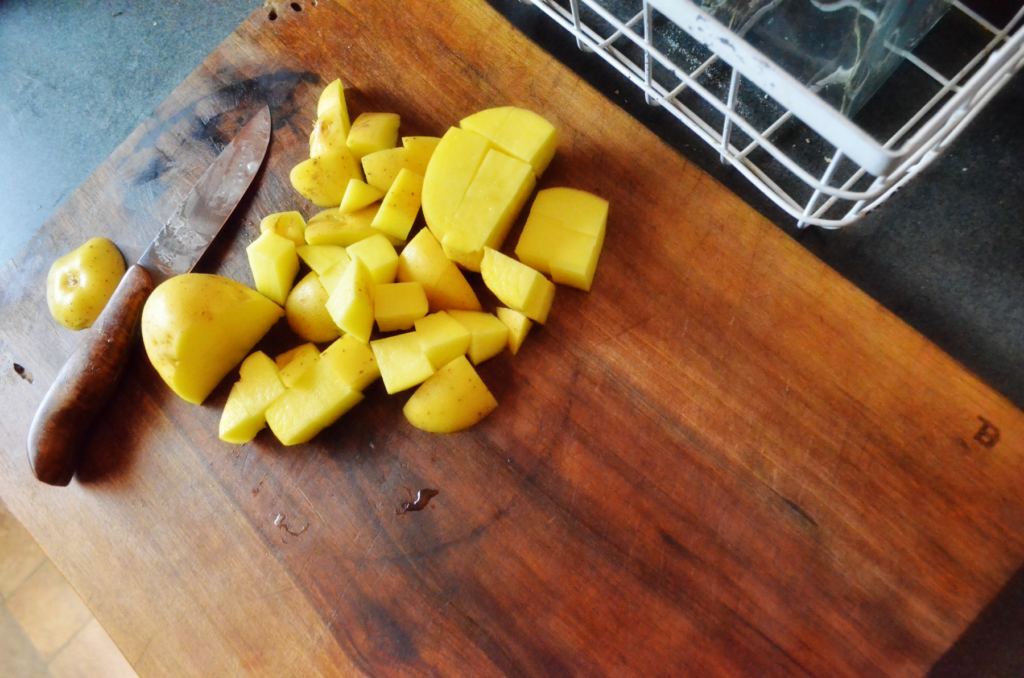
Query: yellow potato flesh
pixel 449 173
pixel 359 194
pixel 372 132
pixel 491 204
pixel 453 399
pixel 382 168
pixel 379 256
pixel 398 305
pixel 197 327
pixel 402 362
pixel 400 206
pixel 334 227
pixel 518 132
pixel 329 280
pixel 306 311
pixel 80 283
pixel 274 263
pixel 290 225
pixel 418 151
pixel 333 96
pixel 352 362
pixel 323 179
pixel 489 336
pixel 351 302
pixel 442 338
pixel 315 401
pixel 518 327
pixel 321 258
pixel 296 362
pixel 330 132
pixel 423 261
pixel 245 411
pixel 517 285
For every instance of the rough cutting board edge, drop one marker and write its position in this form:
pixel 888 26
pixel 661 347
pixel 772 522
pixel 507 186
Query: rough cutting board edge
pixel 979 393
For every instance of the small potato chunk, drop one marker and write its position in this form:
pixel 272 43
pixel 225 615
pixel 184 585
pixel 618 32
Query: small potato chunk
pixel 382 168
pixel 489 336
pixel 330 132
pixel 518 327
pixel 289 225
pixel 323 179
pixel 518 132
pixel 491 204
pixel 197 327
pixel 333 96
pixel 81 283
pixel 296 362
pixel 400 206
pixel 418 151
pixel 398 305
pixel 351 302
pixel 358 195
pixel 315 401
pixel 449 173
pixel 564 235
pixel 379 256
pixel 442 338
pixel 332 276
pixel 423 261
pixel 352 362
pixel 245 411
pixel 372 132
pixel 306 311
pixel 321 258
pixel 454 399
pixel 402 362
pixel 333 227
pixel 274 263
pixel 517 285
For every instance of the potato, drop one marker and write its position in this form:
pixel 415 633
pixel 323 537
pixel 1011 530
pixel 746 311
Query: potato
pixel 245 412
pixel 453 399
pixel 334 227
pixel 291 225
pixel 379 256
pixel 450 171
pixel 402 361
pixel 492 202
pixel 359 194
pixel 488 335
pixel 330 132
pixel 315 401
pixel 517 285
pixel 397 306
pixel 442 338
pixel 518 327
pixel 564 234
pixel 81 283
pixel 296 362
pixel 274 263
pixel 418 151
pixel 197 327
pixel 516 132
pixel 400 206
pixel 306 311
pixel 351 302
pixel 382 167
pixel 353 362
pixel 321 258
pixel 372 132
pixel 333 96
pixel 423 261
pixel 323 179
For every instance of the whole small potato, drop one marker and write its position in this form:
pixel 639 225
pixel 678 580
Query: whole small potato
pixel 306 311
pixel 81 283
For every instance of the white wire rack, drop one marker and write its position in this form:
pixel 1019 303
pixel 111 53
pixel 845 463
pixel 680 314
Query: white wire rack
pixel 853 171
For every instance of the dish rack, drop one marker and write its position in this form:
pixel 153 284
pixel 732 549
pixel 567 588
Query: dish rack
pixel 821 167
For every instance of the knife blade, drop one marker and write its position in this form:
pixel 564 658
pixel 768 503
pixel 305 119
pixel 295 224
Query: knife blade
pixel 85 384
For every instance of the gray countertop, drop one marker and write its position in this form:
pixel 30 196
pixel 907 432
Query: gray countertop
pixel 946 253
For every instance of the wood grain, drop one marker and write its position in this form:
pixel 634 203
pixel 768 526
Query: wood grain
pixel 723 461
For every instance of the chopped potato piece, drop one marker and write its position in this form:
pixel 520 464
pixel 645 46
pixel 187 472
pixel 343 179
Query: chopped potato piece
pixel 423 261
pixel 381 168
pixel 564 235
pixel 379 256
pixel 245 411
pixel 454 399
pixel 274 264
pixel 290 225
pixel 359 194
pixel 518 132
pixel 330 132
pixel 372 132
pixel 400 206
pixel 332 96
pixel 351 302
pixel 517 285
pixel 402 362
pixel 333 227
pixel 323 179
pixel 518 327
pixel 329 280
pixel 321 258
pixel 296 362
pixel 449 173
pixel 418 151
pixel 398 305
pixel 353 362
pixel 442 338
pixel 489 336
pixel 314 402
pixel 306 311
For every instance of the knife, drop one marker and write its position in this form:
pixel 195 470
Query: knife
pixel 85 383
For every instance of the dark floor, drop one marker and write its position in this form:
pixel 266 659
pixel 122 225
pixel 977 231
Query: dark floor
pixel 946 254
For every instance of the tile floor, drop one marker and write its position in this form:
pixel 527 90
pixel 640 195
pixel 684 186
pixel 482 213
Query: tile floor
pixel 46 631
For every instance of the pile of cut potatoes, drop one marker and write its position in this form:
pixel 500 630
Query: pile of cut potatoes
pixel 367 275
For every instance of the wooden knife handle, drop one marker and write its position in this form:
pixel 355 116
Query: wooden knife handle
pixel 86 382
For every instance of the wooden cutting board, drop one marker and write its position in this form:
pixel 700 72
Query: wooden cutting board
pixel 725 460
